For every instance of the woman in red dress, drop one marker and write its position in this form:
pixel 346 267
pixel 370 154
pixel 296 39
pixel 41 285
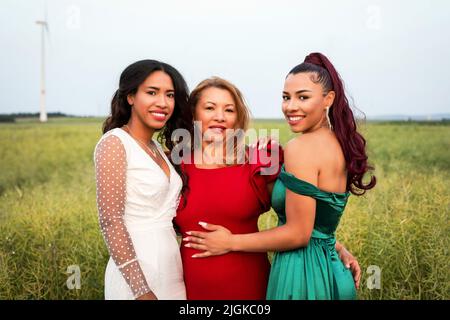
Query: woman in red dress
pixel 233 195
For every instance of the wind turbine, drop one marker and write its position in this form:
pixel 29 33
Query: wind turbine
pixel 44 28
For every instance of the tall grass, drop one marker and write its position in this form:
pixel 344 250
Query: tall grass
pixel 48 217
pixel 47 211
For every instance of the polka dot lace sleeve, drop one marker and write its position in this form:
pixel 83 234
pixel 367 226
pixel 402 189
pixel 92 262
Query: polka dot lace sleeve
pixel 110 172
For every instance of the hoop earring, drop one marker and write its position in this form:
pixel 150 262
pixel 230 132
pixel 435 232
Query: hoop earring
pixel 328 118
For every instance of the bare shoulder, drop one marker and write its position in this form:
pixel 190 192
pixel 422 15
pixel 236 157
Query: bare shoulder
pixel 300 158
pixel 302 139
pixel 301 148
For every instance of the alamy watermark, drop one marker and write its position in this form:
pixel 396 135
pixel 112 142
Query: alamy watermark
pixel 74 279
pixel 226 149
pixel 73 17
pixel 374 17
pixel 374 280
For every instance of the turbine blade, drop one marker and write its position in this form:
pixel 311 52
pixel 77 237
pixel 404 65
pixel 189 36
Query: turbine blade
pixel 47 29
pixel 45 11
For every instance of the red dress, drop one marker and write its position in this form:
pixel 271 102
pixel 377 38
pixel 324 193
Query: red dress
pixel 233 197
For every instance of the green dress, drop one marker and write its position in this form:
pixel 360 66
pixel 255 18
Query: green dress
pixel 314 272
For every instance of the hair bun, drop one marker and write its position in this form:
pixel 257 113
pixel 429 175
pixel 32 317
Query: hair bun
pixel 315 58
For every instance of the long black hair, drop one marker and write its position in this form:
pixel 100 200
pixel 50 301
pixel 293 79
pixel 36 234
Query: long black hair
pixel 130 80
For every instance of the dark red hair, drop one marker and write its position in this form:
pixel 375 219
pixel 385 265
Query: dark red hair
pixel 342 120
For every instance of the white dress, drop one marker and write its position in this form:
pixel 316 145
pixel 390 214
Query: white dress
pixel 136 204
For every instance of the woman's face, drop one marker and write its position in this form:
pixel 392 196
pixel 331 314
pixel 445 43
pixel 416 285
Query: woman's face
pixel 216 109
pixel 304 102
pixel 154 101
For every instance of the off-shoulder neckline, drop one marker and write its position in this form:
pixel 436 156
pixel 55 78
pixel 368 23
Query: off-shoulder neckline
pixel 283 171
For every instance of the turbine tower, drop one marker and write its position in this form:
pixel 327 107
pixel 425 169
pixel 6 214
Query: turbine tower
pixel 43 112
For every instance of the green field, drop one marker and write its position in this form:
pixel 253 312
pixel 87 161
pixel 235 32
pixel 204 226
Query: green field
pixel 48 215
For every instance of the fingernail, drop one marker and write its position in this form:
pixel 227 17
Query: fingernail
pixel 203 224
pixel 186 239
pixel 187 245
pixel 189 233
pixel 194 256
pixel 347 266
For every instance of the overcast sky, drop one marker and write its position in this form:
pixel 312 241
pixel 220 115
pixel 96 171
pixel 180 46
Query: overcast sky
pixel 394 56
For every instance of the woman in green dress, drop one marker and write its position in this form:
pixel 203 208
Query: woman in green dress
pixel 323 166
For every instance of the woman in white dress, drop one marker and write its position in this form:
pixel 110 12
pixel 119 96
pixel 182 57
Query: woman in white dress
pixel 138 189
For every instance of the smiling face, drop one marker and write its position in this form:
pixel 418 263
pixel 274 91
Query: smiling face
pixel 216 109
pixel 305 102
pixel 154 101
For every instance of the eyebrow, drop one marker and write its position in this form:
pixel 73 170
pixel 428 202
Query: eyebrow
pixel 299 91
pixel 227 105
pixel 156 88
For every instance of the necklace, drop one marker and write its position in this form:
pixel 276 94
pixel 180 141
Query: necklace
pixel 153 152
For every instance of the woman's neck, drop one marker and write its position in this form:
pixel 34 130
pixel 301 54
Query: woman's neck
pixel 140 131
pixel 213 154
pixel 323 124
